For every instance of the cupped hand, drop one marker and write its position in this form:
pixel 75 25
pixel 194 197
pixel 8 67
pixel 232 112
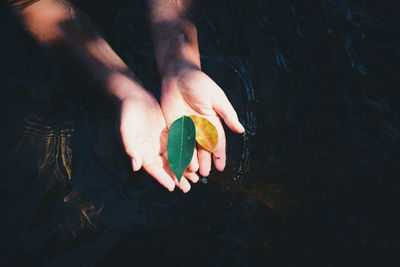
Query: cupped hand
pixel 144 135
pixel 190 91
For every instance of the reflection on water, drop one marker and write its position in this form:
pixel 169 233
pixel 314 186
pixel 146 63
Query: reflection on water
pixel 221 66
pixel 49 143
pixel 88 210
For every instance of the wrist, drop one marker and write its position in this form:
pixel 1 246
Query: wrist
pixel 122 86
pixel 176 46
pixel 176 68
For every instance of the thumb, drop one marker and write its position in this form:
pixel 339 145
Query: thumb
pixel 136 163
pixel 132 149
pixel 132 126
pixel 224 109
pixel 136 159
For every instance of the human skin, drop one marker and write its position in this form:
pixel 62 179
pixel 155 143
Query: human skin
pixel 186 90
pixel 60 26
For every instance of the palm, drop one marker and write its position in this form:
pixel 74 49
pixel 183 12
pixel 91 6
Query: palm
pixel 144 134
pixel 146 116
pixel 192 92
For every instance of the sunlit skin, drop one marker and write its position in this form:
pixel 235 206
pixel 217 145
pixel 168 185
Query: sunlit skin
pixel 191 92
pixel 144 134
pixel 186 90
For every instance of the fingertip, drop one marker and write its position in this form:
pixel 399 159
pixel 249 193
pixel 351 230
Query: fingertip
pixel 219 163
pixel 225 109
pixel 167 183
pixel 194 164
pixel 171 187
pixel 186 189
pixel 195 178
pixel 204 162
pixel 205 168
pixel 184 185
pixel 240 128
pixel 220 169
pixel 204 172
pixel 192 176
pixel 136 164
pixel 235 126
pixel 156 169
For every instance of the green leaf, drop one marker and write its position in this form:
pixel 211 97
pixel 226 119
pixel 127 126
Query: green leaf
pixel 181 142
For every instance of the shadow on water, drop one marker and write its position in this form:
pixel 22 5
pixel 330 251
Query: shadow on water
pixel 312 182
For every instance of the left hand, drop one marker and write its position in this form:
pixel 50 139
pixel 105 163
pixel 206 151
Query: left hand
pixel 144 135
pixel 189 91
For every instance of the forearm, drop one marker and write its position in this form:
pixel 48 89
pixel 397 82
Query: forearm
pixel 174 35
pixel 58 24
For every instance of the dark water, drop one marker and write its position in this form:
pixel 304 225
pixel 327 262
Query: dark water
pixel 313 182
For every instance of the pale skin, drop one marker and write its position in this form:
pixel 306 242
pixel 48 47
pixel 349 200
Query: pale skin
pixel 186 90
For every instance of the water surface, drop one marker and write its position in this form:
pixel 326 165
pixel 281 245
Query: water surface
pixel 313 182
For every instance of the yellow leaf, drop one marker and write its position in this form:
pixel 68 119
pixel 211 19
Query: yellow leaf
pixel 206 133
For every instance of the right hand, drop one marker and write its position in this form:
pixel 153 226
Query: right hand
pixel 189 91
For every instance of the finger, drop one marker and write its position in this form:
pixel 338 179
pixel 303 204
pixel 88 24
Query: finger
pixel 156 169
pixel 204 161
pixel 136 163
pixel 132 151
pixel 184 184
pixel 194 164
pixel 220 161
pixel 192 176
pixel 131 143
pixel 224 108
